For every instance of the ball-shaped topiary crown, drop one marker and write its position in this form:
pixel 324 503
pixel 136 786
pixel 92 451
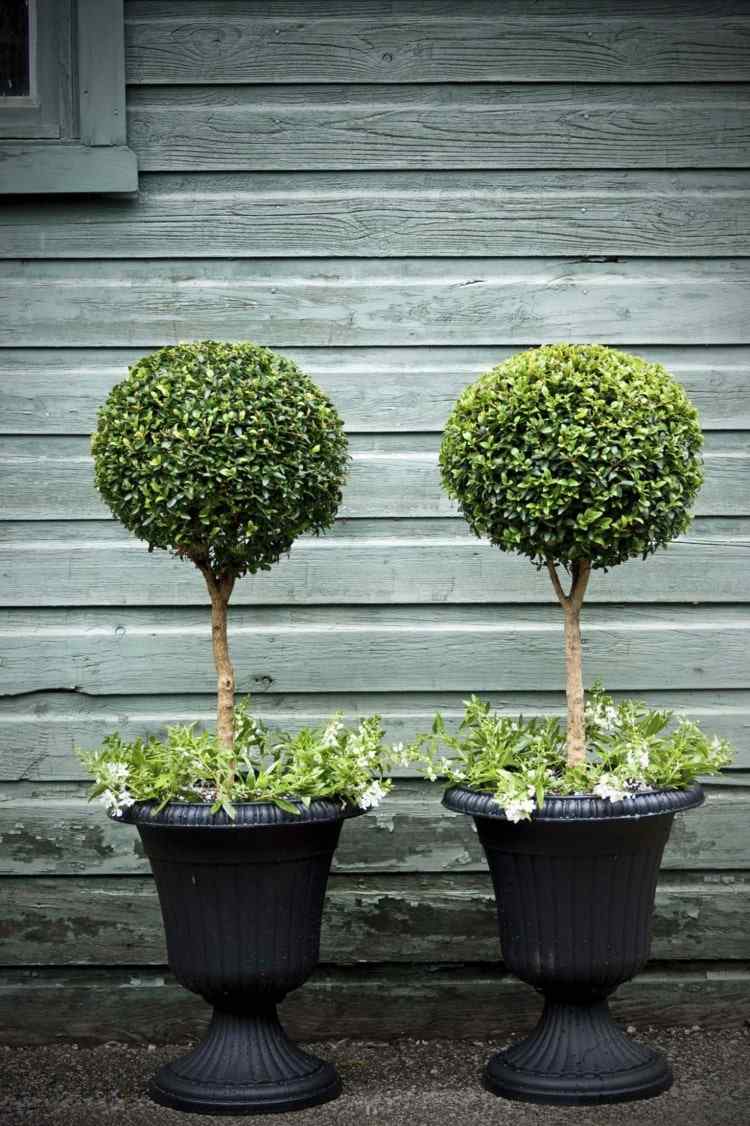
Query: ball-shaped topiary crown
pixel 574 452
pixel 221 452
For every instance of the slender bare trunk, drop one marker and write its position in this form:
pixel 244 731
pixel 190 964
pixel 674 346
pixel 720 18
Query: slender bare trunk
pixel 224 669
pixel 571 604
pixel 220 590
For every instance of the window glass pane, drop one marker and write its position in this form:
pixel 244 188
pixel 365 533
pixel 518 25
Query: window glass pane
pixel 14 48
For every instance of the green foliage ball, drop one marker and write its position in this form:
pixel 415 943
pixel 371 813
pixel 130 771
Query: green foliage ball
pixel 574 451
pixel 224 451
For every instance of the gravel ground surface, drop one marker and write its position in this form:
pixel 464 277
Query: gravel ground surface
pixel 412 1082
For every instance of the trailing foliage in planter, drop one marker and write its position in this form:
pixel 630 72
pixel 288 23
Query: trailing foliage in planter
pixel 328 761
pixel 631 750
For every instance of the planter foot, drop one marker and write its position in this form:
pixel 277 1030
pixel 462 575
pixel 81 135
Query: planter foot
pixel 246 1065
pixel 576 1055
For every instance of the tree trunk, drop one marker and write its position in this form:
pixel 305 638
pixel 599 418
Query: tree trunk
pixel 576 740
pixel 571 604
pixel 223 663
pixel 220 589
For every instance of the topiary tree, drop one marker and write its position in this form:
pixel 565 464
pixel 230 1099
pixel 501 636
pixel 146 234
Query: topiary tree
pixel 222 454
pixel 576 456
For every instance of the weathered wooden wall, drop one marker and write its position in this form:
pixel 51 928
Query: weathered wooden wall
pixel 398 195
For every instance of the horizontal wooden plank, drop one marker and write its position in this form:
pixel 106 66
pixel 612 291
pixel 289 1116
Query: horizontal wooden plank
pixel 410 832
pixel 58 390
pixel 432 9
pixel 84 568
pixel 384 649
pixel 89 1005
pixel 562 125
pixel 39 731
pixel 56 484
pixel 206 43
pixel 391 214
pixel 347 301
pixel 114 921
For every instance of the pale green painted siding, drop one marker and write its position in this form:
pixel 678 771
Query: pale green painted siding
pixel 398 195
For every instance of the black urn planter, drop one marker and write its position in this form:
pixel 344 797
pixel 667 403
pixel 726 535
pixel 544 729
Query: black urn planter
pixel 575 894
pixel 242 904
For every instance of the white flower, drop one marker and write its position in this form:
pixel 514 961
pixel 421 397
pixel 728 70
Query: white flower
pixel 609 787
pixel 638 758
pixel 519 809
pixel 118 771
pixel 331 734
pixel 397 750
pixel 372 796
pixel 115 803
pixel 605 717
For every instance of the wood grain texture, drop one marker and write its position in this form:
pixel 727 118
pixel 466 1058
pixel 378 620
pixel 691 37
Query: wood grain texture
pixel 39 731
pixel 208 43
pixel 410 832
pixel 413 919
pixel 392 214
pixel 56 483
pixel 387 649
pixel 412 301
pixel 304 127
pixel 99 565
pixel 137 1005
pixel 377 390
pixel 434 9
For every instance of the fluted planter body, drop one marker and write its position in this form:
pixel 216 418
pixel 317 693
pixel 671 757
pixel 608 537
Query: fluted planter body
pixel 575 893
pixel 242 905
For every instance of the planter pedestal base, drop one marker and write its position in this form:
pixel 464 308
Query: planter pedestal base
pixel 576 1055
pixel 246 1065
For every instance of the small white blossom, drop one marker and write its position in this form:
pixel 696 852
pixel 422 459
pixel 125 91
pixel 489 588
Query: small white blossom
pixel 638 758
pixel 605 717
pixel 519 809
pixel 372 796
pixel 118 771
pixel 609 787
pixel 115 803
pixel 331 734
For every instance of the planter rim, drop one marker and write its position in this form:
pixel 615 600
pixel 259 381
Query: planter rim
pixel 580 807
pixel 260 814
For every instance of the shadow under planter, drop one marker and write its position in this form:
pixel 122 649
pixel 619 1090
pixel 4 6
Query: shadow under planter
pixel 575 888
pixel 242 904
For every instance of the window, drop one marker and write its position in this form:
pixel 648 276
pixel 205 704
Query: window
pixel 62 97
pixel 15 53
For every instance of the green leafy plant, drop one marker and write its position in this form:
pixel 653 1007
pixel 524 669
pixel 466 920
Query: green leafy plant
pixel 222 454
pixel 631 749
pixel 578 457
pixel 332 760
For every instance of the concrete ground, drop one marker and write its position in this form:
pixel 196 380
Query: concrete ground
pixel 402 1083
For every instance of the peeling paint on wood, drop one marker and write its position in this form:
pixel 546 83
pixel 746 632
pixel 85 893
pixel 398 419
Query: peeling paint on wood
pixel 410 832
